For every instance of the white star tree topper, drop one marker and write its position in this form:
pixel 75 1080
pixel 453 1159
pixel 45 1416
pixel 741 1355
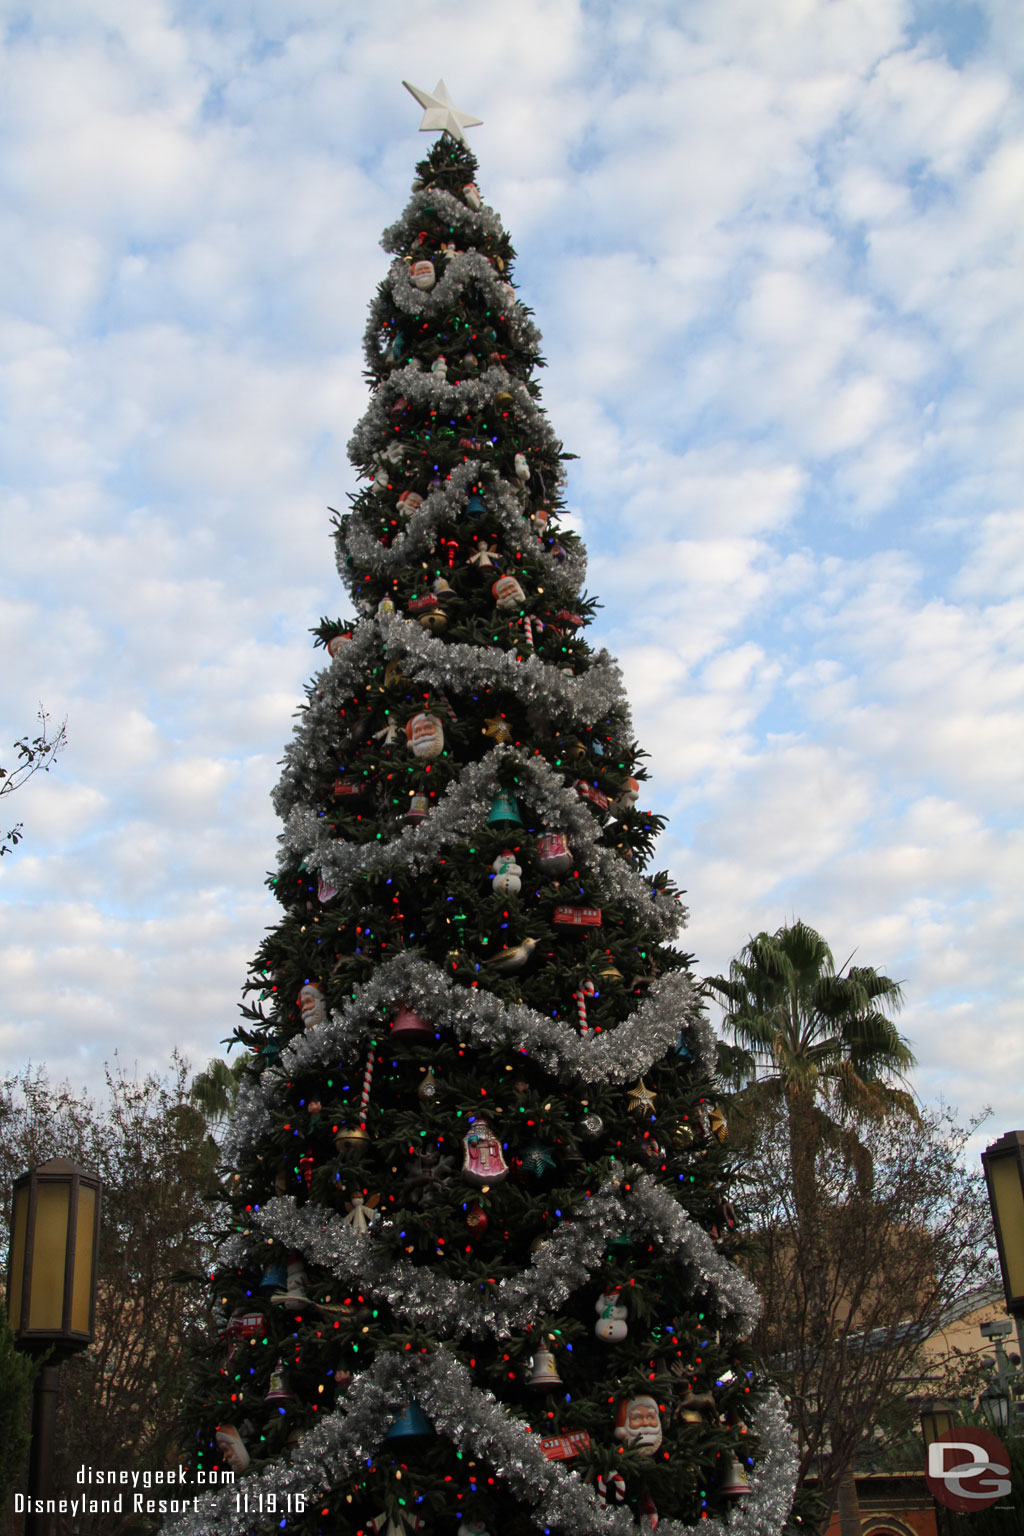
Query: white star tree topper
pixel 440 113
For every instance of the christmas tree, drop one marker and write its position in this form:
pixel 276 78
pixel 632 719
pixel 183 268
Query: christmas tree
pixel 476 1282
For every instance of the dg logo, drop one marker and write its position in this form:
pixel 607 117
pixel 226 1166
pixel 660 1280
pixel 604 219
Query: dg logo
pixel 968 1469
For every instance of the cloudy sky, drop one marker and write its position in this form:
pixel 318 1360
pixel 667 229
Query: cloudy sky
pixel 774 247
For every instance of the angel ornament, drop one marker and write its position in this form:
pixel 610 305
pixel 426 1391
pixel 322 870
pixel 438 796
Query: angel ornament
pixel 486 556
pixel 361 1212
pixel 388 734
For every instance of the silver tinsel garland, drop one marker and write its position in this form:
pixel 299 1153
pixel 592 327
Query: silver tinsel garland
pixel 338 1449
pixel 672 1008
pixel 571 1257
pixel 581 701
pixel 469 222
pixel 465 269
pixel 614 1056
pixel 359 544
pixel 460 815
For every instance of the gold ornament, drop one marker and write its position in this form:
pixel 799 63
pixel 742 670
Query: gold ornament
pixel 346 1135
pixel 641 1097
pixel 427 1091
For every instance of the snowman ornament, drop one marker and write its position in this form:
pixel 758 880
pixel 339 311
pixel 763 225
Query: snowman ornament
pixel 507 874
pixel 611 1326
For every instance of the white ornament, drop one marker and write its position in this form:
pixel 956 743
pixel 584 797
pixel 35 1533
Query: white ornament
pixel 422 275
pixel 388 734
pixel 611 1327
pixel 522 468
pixel 440 365
pixel 486 555
pixel 440 114
pixel 359 1215
pixel 507 874
pixel 296 1284
pixel 472 196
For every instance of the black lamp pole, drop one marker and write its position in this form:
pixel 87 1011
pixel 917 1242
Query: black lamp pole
pixel 1003 1163
pixel 937 1416
pixel 51 1300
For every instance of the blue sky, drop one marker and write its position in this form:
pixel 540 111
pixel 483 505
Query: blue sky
pixel 775 253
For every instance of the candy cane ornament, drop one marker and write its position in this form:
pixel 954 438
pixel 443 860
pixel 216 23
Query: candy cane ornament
pixel 529 624
pixel 364 1101
pixel 587 990
pixel 611 1488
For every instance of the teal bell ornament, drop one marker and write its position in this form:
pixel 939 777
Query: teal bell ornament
pixel 411 1424
pixel 475 504
pixel 504 809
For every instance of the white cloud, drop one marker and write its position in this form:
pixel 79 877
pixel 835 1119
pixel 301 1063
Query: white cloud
pixel 774 253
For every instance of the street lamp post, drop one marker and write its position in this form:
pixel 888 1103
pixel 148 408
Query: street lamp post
pixel 937 1416
pixel 51 1298
pixel 1003 1163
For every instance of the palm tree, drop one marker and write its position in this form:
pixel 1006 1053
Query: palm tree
pixel 213 1090
pixel 814 1033
pixel 812 1037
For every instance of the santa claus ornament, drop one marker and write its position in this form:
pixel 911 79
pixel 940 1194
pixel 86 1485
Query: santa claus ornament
pixel 231 1447
pixel 507 592
pixel 425 735
pixel 638 1424
pixel 422 275
pixel 312 1004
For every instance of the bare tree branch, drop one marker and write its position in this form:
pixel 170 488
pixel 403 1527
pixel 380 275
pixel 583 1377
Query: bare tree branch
pixel 34 754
